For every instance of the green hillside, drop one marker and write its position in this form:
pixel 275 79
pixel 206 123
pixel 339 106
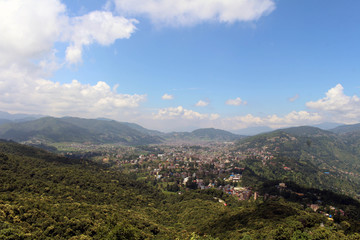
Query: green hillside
pixel 306 155
pixel 44 196
pixel 142 129
pixel 212 133
pixel 80 130
pixel 203 135
pixel 68 129
pixel 343 129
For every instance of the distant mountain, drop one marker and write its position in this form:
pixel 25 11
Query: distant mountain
pixel 217 134
pixel 2 121
pixel 251 131
pixel 307 155
pixel 254 130
pixel 19 117
pixel 203 135
pixel 70 129
pixel 306 131
pixel 343 129
pixel 142 129
pixel 327 125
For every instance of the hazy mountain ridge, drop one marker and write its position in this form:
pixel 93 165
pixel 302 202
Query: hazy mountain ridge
pixel 142 129
pixel 203 135
pixel 3 121
pixel 343 129
pixel 71 129
pixel 19 117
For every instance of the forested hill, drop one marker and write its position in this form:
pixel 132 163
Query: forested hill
pixel 203 135
pixel 70 129
pixel 212 133
pixel 306 155
pixel 343 129
pixel 44 196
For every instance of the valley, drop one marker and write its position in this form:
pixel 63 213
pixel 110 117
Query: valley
pixel 97 187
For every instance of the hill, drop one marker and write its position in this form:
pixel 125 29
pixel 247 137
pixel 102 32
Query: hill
pixel 44 196
pixel 217 134
pixel 343 129
pixel 306 131
pixel 202 136
pixel 19 117
pixel 2 121
pixel 80 130
pixel 142 129
pixel 306 155
pixel 70 129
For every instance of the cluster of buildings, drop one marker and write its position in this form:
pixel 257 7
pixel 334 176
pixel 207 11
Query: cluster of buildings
pixel 193 167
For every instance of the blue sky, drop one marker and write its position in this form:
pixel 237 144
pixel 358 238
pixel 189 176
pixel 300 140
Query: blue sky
pixel 229 66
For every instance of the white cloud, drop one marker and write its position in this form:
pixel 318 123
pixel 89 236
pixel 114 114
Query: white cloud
pixel 202 103
pixel 235 102
pixel 274 121
pixel 337 106
pixel 167 97
pixel 29 28
pixel 98 26
pixel 29 31
pixel 182 113
pixel 179 116
pixel 189 12
pixel 180 119
pixel 29 95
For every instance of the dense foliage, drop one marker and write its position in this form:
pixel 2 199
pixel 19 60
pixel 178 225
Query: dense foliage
pixel 43 196
pixel 308 156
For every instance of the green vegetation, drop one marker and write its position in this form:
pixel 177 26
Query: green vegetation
pixel 44 196
pixel 202 136
pixel 55 130
pixel 308 156
pixel 50 131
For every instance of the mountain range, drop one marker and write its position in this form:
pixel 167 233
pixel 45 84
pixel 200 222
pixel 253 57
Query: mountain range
pixel 70 129
pixel 22 128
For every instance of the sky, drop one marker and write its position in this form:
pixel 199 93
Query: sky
pixel 175 65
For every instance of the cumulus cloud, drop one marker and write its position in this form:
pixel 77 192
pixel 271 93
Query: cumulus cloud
pixel 29 28
pixel 235 102
pixel 98 26
pixel 274 121
pixel 182 113
pixel 202 103
pixel 29 32
pixel 337 106
pixel 167 97
pixel 38 95
pixel 179 116
pixel 189 12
